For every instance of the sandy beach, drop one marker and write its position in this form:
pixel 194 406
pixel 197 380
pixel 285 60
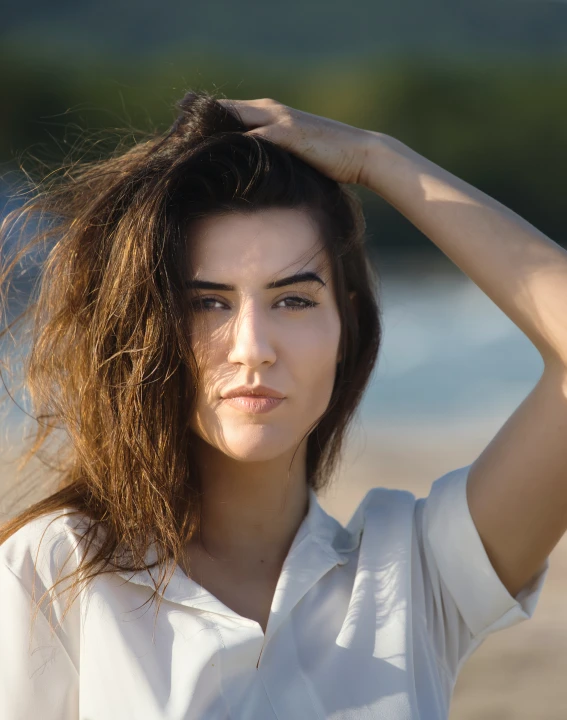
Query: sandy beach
pixel 518 673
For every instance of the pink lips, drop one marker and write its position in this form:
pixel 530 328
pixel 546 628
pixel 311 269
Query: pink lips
pixel 250 399
pixel 254 404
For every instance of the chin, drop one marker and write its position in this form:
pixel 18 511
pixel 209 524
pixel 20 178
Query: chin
pixel 254 443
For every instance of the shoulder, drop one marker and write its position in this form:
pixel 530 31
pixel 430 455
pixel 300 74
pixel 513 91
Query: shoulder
pixel 446 492
pixel 46 546
pixel 379 501
pixel 384 516
pixel 389 512
pixel 40 629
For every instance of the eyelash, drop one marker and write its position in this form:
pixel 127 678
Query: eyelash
pixel 199 304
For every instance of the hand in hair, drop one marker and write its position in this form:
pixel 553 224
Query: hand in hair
pixel 334 148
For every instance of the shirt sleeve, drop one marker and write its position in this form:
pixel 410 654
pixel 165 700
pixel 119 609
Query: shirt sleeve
pixel 38 670
pixel 464 597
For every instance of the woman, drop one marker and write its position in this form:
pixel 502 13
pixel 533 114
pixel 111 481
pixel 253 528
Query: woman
pixel 205 328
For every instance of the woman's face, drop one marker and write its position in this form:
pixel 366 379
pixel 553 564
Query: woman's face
pixel 285 337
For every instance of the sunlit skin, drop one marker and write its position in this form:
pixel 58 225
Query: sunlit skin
pixel 254 496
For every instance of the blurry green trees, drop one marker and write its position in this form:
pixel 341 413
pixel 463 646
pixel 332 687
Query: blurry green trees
pixel 499 125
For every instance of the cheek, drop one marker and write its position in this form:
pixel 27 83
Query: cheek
pixel 212 375
pixel 312 359
pixel 209 347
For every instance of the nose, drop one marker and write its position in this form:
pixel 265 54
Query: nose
pixel 252 343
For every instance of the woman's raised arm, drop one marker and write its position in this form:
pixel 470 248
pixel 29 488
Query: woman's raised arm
pixel 517 487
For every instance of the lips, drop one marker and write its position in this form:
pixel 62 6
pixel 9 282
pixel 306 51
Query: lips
pixel 260 391
pixel 254 404
pixel 250 399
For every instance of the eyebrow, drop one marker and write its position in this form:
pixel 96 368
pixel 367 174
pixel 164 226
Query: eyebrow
pixel 283 282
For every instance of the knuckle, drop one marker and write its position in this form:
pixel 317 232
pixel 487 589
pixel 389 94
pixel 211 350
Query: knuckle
pixel 274 104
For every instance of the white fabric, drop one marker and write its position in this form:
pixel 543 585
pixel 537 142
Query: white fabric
pixel 371 621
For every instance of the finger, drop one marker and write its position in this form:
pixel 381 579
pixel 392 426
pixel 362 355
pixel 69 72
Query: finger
pixel 260 132
pixel 252 115
pixel 271 133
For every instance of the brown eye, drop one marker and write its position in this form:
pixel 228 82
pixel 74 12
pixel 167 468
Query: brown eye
pixel 298 303
pixel 202 303
pixel 303 303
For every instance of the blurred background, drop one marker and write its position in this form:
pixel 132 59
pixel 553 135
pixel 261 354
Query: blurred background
pixel 478 87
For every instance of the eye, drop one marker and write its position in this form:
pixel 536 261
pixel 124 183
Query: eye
pixel 304 303
pixel 201 303
pixel 299 303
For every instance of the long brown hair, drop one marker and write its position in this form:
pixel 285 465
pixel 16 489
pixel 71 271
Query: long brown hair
pixel 109 358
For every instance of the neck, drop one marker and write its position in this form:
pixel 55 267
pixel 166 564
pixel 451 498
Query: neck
pixel 251 512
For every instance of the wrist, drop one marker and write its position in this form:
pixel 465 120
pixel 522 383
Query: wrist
pixel 382 154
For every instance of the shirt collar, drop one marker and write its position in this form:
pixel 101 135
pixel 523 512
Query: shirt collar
pixel 319 535
pixel 328 531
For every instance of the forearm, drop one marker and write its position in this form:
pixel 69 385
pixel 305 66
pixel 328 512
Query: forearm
pixel 517 266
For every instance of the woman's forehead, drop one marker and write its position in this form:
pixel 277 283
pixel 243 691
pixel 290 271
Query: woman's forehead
pixel 264 242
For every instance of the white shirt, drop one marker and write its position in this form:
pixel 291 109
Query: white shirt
pixel 369 621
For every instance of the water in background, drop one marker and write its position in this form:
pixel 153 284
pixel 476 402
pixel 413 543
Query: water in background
pixel 450 357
